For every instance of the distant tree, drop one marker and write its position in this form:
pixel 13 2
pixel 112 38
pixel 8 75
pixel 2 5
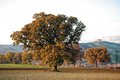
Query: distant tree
pixel 18 58
pixel 2 58
pixel 48 34
pixel 97 55
pixel 9 56
pixel 26 57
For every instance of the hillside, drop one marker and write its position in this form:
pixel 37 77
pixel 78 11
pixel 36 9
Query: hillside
pixel 113 48
pixel 10 48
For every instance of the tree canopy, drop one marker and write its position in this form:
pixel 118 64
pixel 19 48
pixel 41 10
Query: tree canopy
pixel 49 35
pixel 96 55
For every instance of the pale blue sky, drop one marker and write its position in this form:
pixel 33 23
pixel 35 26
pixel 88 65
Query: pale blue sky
pixel 102 17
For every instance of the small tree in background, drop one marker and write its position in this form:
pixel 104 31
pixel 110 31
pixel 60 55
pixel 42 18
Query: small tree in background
pixel 18 58
pixel 9 57
pixel 96 55
pixel 48 35
pixel 26 57
pixel 2 58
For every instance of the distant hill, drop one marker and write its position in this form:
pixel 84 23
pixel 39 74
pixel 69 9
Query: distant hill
pixel 113 48
pixel 10 48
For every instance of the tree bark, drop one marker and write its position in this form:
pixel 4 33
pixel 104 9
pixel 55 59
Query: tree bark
pixel 96 64
pixel 74 64
pixel 80 63
pixel 116 59
pixel 68 63
pixel 54 68
pixel 102 65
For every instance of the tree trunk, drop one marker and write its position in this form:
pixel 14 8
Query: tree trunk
pixel 68 63
pixel 102 65
pixel 54 68
pixel 80 63
pixel 74 64
pixel 96 64
pixel 116 59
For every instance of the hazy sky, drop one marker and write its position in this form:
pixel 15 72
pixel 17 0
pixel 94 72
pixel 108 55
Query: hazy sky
pixel 102 17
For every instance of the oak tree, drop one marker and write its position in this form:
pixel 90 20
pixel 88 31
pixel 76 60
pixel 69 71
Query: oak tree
pixel 97 55
pixel 17 57
pixel 48 35
pixel 9 57
pixel 2 58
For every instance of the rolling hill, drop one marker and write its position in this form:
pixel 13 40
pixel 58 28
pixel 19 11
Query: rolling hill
pixel 113 48
pixel 10 48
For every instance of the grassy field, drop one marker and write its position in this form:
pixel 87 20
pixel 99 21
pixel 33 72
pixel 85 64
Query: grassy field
pixel 64 74
pixel 20 66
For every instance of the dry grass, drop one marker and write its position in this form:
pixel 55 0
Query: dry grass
pixel 64 74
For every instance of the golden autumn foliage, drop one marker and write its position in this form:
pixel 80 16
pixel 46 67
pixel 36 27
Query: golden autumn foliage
pixel 52 54
pixel 96 55
pixel 9 56
pixel 48 34
pixel 2 58
pixel 26 57
pixel 35 56
pixel 18 57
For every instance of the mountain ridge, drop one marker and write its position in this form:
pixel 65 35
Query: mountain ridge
pixel 10 48
pixel 113 48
